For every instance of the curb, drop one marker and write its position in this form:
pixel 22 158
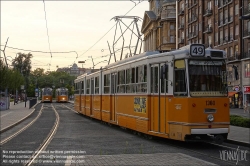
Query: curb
pixel 18 122
pixel 238 142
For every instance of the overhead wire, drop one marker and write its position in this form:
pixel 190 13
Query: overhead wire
pixel 47 31
pixel 109 30
pixel 50 52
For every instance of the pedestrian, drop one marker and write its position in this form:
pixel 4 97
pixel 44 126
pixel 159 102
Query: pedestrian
pixel 246 107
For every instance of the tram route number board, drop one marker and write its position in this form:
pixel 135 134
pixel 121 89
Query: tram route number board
pixel 197 50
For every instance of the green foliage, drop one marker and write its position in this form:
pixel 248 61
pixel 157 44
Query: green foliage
pixel 41 79
pixel 236 120
pixel 10 78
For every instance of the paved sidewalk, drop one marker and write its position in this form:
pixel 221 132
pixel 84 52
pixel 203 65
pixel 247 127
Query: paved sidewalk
pixel 240 112
pixel 137 159
pixel 239 134
pixel 15 114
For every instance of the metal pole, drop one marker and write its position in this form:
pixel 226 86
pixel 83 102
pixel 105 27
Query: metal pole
pixel 4 52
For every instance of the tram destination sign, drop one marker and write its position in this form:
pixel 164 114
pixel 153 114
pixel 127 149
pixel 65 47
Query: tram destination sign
pixel 197 50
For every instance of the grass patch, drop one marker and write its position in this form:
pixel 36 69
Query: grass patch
pixel 236 120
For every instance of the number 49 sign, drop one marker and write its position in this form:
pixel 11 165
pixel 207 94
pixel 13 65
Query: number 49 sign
pixel 197 50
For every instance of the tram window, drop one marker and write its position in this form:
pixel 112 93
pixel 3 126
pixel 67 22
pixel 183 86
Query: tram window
pixel 128 80
pixel 137 75
pixel 106 83
pixel 133 85
pixel 142 75
pixel 154 79
pixel 82 87
pixel 144 85
pixel 152 82
pixel 92 84
pixel 180 83
pixel 145 73
pixel 121 82
pixel 164 78
pixel 180 78
pixel 97 85
pixel 133 75
pixel 88 87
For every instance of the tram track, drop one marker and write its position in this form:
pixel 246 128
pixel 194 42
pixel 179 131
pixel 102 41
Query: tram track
pixel 21 130
pixel 25 145
pixel 47 140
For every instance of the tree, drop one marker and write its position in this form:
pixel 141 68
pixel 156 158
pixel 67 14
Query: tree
pixel 22 63
pixel 38 72
pixel 10 78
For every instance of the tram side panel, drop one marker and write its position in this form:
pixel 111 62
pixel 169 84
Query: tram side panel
pixel 88 107
pixel 106 108
pixel 77 103
pixel 83 104
pixel 97 99
pixel 132 112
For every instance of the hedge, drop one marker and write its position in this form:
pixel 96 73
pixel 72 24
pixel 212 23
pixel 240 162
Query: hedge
pixel 236 120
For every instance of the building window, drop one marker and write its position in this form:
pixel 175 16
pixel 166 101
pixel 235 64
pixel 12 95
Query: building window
pixel 209 5
pixel 236 9
pixel 171 26
pixel 230 52
pixel 237 30
pixel 216 37
pixel 247 70
pixel 230 74
pixel 172 39
pixel 209 40
pixel 216 2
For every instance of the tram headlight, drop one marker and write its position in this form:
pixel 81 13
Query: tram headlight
pixel 210 118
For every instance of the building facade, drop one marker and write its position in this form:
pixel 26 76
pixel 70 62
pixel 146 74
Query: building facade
pixel 246 50
pixel 158 26
pixel 217 24
pixel 74 70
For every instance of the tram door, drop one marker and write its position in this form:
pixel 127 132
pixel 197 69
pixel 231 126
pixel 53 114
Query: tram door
pixel 158 98
pixel 92 87
pixel 113 96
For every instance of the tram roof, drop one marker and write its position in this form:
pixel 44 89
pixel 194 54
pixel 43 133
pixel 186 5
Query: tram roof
pixel 138 56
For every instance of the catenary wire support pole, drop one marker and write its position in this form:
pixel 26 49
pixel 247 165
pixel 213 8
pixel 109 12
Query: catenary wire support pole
pixel 118 20
pixel 110 53
pixel 4 52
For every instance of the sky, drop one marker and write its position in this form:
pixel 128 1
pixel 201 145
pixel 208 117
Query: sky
pixel 78 30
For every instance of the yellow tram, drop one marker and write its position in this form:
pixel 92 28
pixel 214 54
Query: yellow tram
pixel 180 95
pixel 62 95
pixel 46 95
